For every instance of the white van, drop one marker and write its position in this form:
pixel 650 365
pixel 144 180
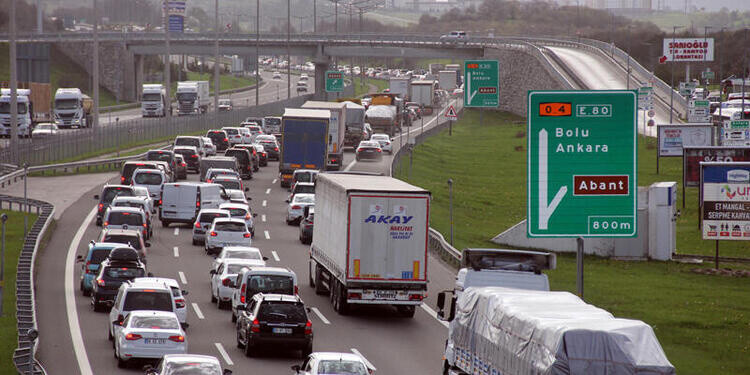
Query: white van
pixel 253 280
pixel 180 203
pixel 151 179
pixel 212 195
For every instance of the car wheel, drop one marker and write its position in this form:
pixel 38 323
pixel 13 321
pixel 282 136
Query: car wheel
pixel 307 350
pixel 121 363
pixel 95 305
pixel 310 280
pixel 219 304
pixel 234 317
pixel 213 297
pixel 240 345
pixel 195 242
pixel 109 335
pixel 165 223
pixel 340 304
pixel 86 293
pixel 248 349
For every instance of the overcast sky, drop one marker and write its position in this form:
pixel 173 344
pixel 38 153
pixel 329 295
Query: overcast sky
pixel 710 5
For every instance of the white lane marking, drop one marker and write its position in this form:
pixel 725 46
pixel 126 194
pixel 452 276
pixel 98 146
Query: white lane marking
pixel 268 236
pixel 268 191
pixel 198 312
pixel 274 181
pixel 320 315
pixel 263 218
pixel 433 314
pixel 70 303
pixel 183 279
pixel 275 256
pixel 176 252
pixel 264 203
pixel 176 231
pixel 224 354
pixel 348 167
pixel 369 365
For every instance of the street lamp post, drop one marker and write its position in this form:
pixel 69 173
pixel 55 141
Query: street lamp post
pixel 217 87
pixel 257 55
pixel 450 206
pixel 3 218
pixel 25 200
pixel 288 55
pixel 13 84
pixel 95 70
pixel 671 85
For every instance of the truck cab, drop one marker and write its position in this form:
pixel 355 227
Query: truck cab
pixel 24 114
pixel 508 268
pixel 72 108
pixel 154 100
pixel 192 97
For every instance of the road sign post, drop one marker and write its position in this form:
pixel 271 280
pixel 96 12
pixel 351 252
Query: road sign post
pixel 582 152
pixel 334 81
pixel 450 113
pixel 482 83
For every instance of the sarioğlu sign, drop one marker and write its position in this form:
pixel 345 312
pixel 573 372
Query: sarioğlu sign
pixel 688 49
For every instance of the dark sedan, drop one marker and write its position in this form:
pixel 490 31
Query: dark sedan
pixel 219 139
pixel 306 227
pixel 272 149
pixel 369 150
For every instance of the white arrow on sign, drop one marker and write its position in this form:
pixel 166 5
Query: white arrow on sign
pixel 468 87
pixel 545 210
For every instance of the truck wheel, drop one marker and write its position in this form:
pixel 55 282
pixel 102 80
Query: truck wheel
pixel 319 280
pixel 311 282
pixel 340 304
pixel 406 311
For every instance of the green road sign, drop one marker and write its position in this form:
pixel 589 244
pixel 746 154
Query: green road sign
pixel 334 81
pixel 708 75
pixel 582 163
pixel 482 83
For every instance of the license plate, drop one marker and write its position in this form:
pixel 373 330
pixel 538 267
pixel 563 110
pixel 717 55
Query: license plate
pixel 282 331
pixel 170 212
pixel 155 341
pixel 387 294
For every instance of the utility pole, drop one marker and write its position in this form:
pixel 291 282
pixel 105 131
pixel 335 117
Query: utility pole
pixel 671 85
pixel 167 70
pixel 13 85
pixel 288 55
pixel 257 55
pixel 315 16
pixel 39 17
pixel 216 59
pixel 95 70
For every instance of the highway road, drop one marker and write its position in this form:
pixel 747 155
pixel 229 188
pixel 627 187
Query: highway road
pixel 73 338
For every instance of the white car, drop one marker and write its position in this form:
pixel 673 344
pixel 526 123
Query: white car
pixel 141 191
pixel 152 180
pixel 223 280
pixel 227 232
pixel 44 130
pixel 247 135
pixel 212 173
pixel 225 105
pixel 148 334
pixel 178 295
pixel 240 211
pixel 296 208
pixel 203 222
pixel 181 364
pixel 239 252
pixel 384 140
pixel 237 196
pixel 209 145
pixel 277 76
pixel 329 363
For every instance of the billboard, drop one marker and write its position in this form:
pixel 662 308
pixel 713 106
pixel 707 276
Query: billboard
pixel 175 12
pixel 688 49
pixel 694 155
pixel 725 201
pixel 673 137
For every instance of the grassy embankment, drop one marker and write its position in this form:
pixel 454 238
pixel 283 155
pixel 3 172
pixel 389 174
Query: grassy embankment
pixel 13 244
pixel 703 322
pixel 226 81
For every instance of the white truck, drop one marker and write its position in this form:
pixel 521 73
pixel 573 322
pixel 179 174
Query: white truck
pixel 400 86
pixel 423 92
pixel 192 98
pixel 504 320
pixel 72 108
pixel 154 102
pixel 25 111
pixel 370 242
pixel 447 79
pixel 336 131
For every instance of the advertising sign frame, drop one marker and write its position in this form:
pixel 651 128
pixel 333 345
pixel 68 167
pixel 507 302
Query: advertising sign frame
pixel 663 149
pixel 688 49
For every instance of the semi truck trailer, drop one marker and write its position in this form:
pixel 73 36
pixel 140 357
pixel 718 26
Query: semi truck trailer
pixel 336 131
pixel 304 141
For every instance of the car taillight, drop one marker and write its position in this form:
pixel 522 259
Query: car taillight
pixel 247 216
pixel 248 167
pixel 198 204
pixel 197 224
pixel 296 289
pixel 194 156
pixel 333 160
pixel 160 202
pixel 87 270
pixel 378 150
pixel 296 207
pixel 214 234
pixel 276 149
pixel 255 327
pixel 308 328
pixel 101 206
pixel 415 297
pixel 100 282
pixel 226 282
pixel 120 319
pixel 264 154
pixel 354 295
pixel 182 164
pixel 359 149
pixel 122 179
pixel 133 336
pixel 246 235
pixel 177 338
pixel 242 293
pixel 226 140
pixel 208 180
pixel 179 303
pixel 106 223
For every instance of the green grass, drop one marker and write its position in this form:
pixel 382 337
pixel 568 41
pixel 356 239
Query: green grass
pixel 13 244
pixel 361 89
pixel 226 81
pixel 703 322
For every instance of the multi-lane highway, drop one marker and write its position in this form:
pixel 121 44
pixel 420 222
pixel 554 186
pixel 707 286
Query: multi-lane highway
pixel 71 330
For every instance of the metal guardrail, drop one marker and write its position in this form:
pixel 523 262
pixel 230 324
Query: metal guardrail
pixel 23 356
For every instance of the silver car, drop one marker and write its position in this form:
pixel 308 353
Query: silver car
pixel 296 208
pixel 204 220
pixel 240 211
pixel 227 232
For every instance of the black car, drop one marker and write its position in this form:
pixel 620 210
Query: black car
pixel 274 320
pixel 122 265
pixel 162 155
pixel 244 161
pixel 109 192
pixel 272 149
pixel 219 139
pixel 191 156
pixel 306 226
pixel 369 150
pixel 253 152
pixel 262 155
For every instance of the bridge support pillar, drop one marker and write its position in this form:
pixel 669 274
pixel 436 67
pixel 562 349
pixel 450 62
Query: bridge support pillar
pixel 138 76
pixel 320 80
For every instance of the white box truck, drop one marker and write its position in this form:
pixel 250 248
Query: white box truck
pixel 447 79
pixel 370 242
pixel 423 92
pixel 336 131
pixel 399 86
pixel 72 108
pixel 192 97
pixel 154 101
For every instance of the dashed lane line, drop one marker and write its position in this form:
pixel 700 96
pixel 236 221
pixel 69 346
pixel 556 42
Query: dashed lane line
pixel 268 235
pixel 320 315
pixel 274 181
pixel 176 231
pixel 263 218
pixel 268 191
pixel 275 256
pixel 176 252
pixel 198 311
pixel 433 314
pixel 265 203
pixel 224 354
pixel 369 365
pixel 183 279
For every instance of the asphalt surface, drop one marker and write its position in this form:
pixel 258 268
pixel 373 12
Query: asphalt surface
pixel 73 338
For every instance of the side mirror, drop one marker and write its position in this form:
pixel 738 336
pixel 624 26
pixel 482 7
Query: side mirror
pixel 296 368
pixel 184 292
pixel 240 308
pixel 248 198
pixel 254 215
pixel 96 197
pixel 148 244
pixel 212 272
pixel 265 258
pixel 441 301
pixel 287 200
pixel 227 372
pixel 150 274
pixel 79 258
pixel 247 189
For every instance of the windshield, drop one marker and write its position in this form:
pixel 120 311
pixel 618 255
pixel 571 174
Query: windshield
pixel 304 189
pixel 154 322
pixel 159 156
pixel 234 269
pixel 159 301
pixel 186 96
pixel 192 368
pixel 231 131
pixel 125 239
pixel 215 174
pixel 253 255
pixel 217 136
pixel 123 273
pixel 224 102
pixel 304 198
pixel 341 368
pixel 282 312
pixel 230 227
pixel 239 212
pixel 278 284
pixel 229 184
pixel 151 97
pixel 209 217
pixel 66 103
pixel 147 179
pixel 125 218
pixel 98 255
pixel 272 121
pixel 187 142
pixel 129 204
pixel 5 108
pixel 110 194
pixel 45 126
